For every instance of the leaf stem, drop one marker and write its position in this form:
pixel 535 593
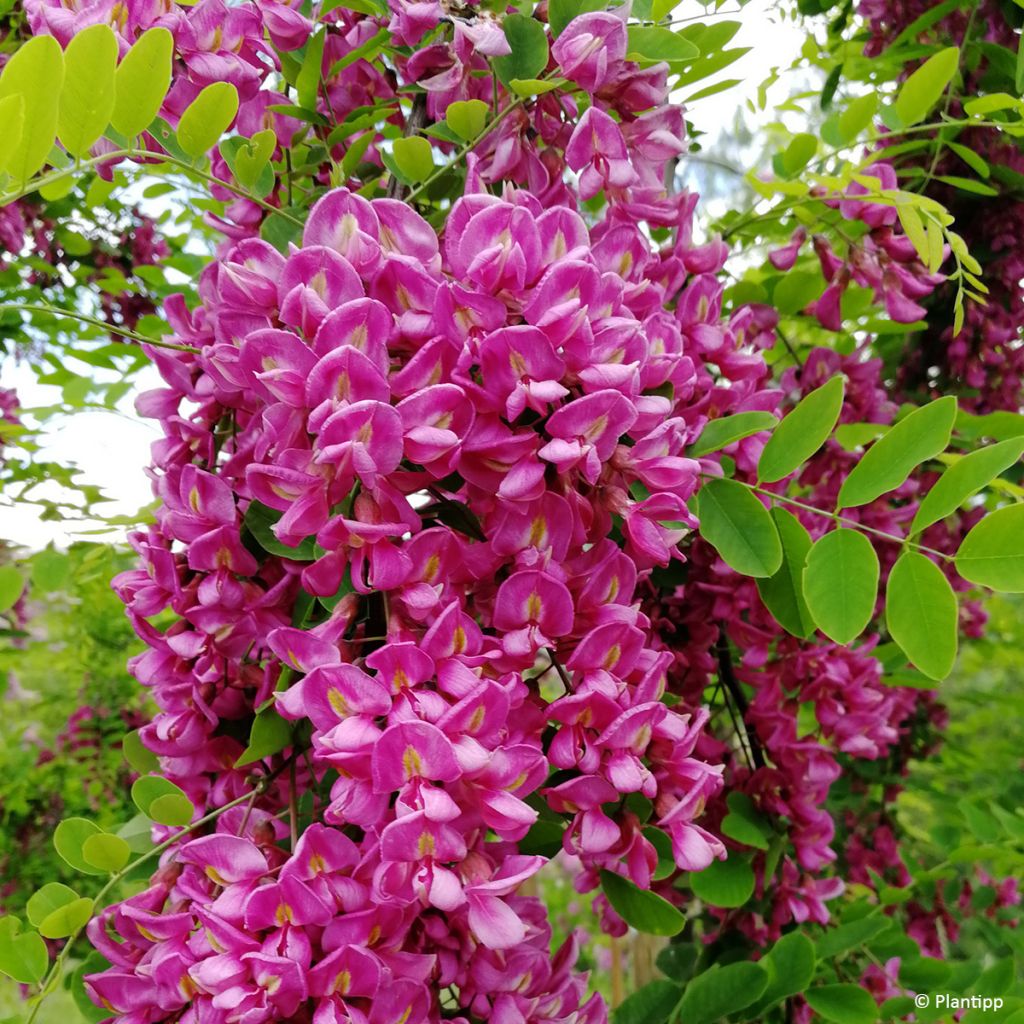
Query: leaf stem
pixel 846 521
pixel 93 321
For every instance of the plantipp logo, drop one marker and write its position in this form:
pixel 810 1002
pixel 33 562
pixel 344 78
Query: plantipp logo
pixel 947 1001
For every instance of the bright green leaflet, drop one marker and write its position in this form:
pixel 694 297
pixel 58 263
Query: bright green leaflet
pixel 890 460
pixel 68 839
pixel 992 554
pixel 783 593
pixel 87 100
pixel 843 1004
pixel 46 900
pixel 162 800
pixel 35 73
pixel 652 44
pixel 141 82
pixel 466 118
pixel 12 122
pixel 739 527
pixel 67 919
pixel 921 614
pixel 719 433
pixel 106 852
pixel 206 118
pixel 841 584
pixel 802 432
pixel 645 911
pixel 964 479
pixel 23 955
pixel 922 89
pixel 414 158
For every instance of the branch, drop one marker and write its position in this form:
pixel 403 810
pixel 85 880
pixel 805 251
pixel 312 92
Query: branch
pixel 728 678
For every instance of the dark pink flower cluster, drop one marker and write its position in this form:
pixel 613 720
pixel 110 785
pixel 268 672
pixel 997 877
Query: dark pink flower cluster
pixel 475 451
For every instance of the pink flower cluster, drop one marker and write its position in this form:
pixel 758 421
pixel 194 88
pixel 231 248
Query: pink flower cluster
pixel 475 451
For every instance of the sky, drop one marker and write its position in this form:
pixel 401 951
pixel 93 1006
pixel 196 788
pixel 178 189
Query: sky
pixel 112 449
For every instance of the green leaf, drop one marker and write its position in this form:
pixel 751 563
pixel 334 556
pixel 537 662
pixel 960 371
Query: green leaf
pixel 259 520
pixel 67 919
pixel 923 89
pixel 802 432
pixel 722 432
pixel 738 526
pixel 925 974
pixel 844 1004
pixel 650 44
pixel 35 73
pixel 889 461
pixel 726 883
pixel 11 586
pixel 137 832
pixel 46 900
pixel 141 758
pixel 797 290
pixel 141 82
pixel 12 123
pixel 677 961
pixel 744 824
pixel 87 99
pixel 207 118
pixel 721 991
pixel 414 158
pixel 837 941
pixel 466 118
pixel 651 1004
pixel 269 734
pixel 307 83
pixel 921 614
pixel 857 116
pixel 992 554
pixel 68 840
pixel 790 964
pixel 977 163
pixel 172 810
pixel 783 593
pixel 965 478
pixel 841 584
pixel 645 911
pixel 968 185
pixel 662 844
pixel 105 851
pixel 161 800
pixel 23 955
pixel 799 153
pixel 249 160
pixel 535 86
pixel 529 44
